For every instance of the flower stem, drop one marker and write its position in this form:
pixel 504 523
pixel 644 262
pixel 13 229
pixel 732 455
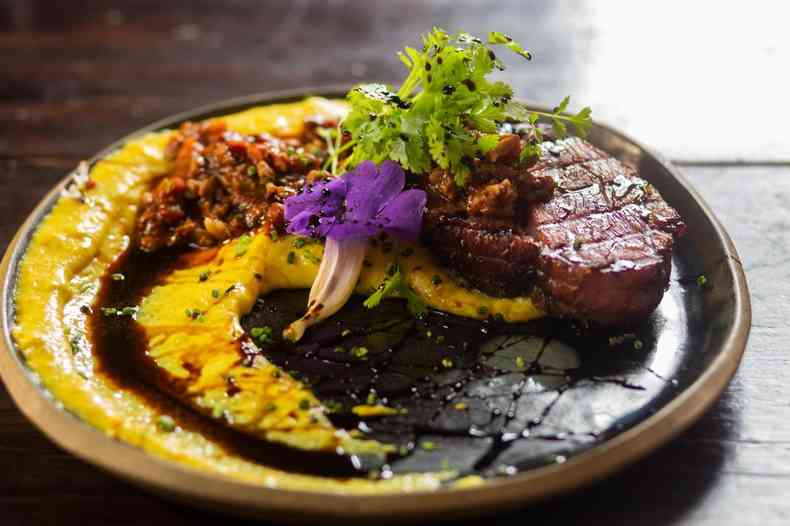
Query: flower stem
pixel 337 276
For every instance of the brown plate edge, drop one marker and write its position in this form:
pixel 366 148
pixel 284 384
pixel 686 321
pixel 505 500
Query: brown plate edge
pixel 238 498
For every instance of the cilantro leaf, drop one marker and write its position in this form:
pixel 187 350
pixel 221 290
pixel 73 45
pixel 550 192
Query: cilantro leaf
pixel 447 111
pixel 495 37
pixel 396 287
pixel 487 142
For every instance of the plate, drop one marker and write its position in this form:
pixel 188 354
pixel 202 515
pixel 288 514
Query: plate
pixel 550 411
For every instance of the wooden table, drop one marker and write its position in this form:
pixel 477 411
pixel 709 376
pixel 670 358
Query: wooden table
pixel 704 84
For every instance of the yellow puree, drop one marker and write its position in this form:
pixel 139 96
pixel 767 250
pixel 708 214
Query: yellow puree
pixel 77 241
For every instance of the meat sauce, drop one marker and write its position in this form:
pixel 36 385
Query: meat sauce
pixel 224 184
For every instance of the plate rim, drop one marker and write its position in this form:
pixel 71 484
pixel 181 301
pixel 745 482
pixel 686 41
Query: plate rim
pixel 218 492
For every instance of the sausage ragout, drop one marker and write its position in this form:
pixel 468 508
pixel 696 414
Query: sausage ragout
pixel 223 184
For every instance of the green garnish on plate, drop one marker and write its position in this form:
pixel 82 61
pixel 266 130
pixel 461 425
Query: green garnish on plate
pixel 446 112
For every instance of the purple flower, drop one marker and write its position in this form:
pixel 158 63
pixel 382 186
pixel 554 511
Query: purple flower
pixel 359 204
pixel 346 211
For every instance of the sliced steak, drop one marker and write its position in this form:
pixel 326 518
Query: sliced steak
pixel 598 249
pixel 491 256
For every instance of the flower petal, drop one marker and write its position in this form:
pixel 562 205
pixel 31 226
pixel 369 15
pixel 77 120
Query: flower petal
pixel 370 189
pixel 300 223
pixel 315 197
pixel 322 201
pixel 353 230
pixel 402 217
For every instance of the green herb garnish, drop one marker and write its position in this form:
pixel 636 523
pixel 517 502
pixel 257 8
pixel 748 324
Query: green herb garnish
pixel 428 445
pixel 123 311
pixel 333 406
pixel 166 423
pixel 195 314
pixel 396 287
pixel 243 244
pixel 619 339
pixel 446 111
pixel 312 258
pixel 359 352
pixel 262 335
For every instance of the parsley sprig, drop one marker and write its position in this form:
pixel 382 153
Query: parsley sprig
pixel 446 111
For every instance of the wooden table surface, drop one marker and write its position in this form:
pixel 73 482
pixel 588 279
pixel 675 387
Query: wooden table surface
pixel 705 84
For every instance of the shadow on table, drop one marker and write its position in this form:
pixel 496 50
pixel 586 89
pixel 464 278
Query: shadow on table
pixel 657 490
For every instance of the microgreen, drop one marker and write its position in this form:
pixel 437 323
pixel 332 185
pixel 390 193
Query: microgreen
pixel 446 111
pixel 262 335
pixel 243 244
pixel 395 286
pixel 119 312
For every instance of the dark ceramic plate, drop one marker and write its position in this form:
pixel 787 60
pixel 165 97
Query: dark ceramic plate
pixel 536 409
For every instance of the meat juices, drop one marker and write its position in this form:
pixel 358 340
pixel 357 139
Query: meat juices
pixel 599 248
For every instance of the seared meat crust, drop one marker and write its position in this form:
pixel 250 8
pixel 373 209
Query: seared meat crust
pixel 598 249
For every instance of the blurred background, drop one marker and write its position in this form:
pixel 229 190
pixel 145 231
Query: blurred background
pixel 697 80
pixel 702 82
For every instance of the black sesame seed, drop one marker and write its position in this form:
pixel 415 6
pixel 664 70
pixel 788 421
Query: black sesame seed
pixel 470 85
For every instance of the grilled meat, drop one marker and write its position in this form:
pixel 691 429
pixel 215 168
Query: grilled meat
pixel 597 248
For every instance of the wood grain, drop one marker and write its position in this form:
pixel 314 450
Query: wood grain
pixel 76 77
pixel 641 66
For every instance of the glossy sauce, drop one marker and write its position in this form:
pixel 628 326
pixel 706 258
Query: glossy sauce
pixel 120 350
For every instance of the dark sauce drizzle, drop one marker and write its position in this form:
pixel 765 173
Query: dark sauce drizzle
pixel 120 351
pixel 483 398
pixel 476 396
